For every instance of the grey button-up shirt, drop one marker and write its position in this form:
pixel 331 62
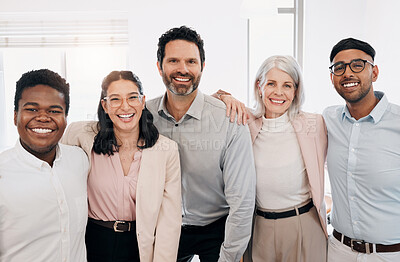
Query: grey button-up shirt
pixel 218 174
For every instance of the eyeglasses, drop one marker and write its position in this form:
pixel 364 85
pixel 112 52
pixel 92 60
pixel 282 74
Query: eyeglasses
pixel 116 101
pixel 356 65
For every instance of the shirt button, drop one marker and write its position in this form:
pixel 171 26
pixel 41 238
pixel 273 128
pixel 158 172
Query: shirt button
pixel 352 150
pixel 357 124
pixel 176 124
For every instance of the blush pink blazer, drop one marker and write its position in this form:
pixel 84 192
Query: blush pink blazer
pixel 312 137
pixel 158 193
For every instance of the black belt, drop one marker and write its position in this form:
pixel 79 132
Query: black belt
pixel 290 213
pixel 365 247
pixel 219 222
pixel 118 226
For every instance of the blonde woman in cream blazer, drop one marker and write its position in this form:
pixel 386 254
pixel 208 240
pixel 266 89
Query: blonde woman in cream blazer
pixel 158 186
pixel 289 149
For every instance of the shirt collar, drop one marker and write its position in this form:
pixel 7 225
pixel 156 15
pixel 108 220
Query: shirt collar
pixel 194 110
pixel 376 113
pixel 33 160
pixel 380 108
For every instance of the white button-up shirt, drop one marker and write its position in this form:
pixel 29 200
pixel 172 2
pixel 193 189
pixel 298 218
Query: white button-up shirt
pixel 43 209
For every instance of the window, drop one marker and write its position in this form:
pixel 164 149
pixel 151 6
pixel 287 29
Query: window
pixel 82 51
pixel 274 28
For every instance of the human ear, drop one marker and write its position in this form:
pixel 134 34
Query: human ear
pixel 375 73
pixel 104 105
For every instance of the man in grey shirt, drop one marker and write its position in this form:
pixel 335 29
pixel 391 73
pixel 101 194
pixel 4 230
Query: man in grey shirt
pixel 218 174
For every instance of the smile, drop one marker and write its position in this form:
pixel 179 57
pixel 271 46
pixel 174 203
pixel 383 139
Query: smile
pixel 41 130
pixel 347 85
pixel 277 101
pixel 126 116
pixel 181 79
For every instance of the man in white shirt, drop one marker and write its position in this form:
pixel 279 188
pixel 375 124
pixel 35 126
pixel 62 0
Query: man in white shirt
pixel 43 206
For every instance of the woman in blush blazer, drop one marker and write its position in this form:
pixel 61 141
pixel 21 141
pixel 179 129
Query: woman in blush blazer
pixel 289 151
pixel 134 185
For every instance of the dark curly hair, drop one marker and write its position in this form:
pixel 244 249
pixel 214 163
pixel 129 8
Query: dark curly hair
pixel 42 77
pixel 105 141
pixel 180 33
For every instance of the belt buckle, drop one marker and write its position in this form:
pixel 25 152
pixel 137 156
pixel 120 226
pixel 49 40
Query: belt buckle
pixel 360 242
pixel 116 223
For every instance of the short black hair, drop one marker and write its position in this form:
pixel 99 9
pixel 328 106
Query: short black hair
pixel 352 43
pixel 42 77
pixel 180 33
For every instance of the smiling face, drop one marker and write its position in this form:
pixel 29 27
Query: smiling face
pixel 277 93
pixel 41 120
pixel 181 67
pixel 125 117
pixel 353 87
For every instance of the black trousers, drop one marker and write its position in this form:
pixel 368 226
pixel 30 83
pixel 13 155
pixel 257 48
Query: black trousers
pixel 105 245
pixel 204 241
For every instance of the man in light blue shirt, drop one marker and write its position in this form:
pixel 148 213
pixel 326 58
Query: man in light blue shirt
pixel 363 160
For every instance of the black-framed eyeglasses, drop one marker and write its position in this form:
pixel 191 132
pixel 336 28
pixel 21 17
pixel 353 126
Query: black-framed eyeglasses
pixel 356 65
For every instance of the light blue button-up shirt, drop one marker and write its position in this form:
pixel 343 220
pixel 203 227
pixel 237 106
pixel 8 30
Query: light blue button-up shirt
pixel 364 170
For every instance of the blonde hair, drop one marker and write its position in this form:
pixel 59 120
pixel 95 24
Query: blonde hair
pixel 288 65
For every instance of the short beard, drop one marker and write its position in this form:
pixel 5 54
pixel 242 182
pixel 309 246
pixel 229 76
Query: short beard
pixel 168 83
pixel 357 99
pixel 190 90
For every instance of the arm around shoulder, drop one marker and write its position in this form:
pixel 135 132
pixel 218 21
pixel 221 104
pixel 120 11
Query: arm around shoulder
pixel 80 134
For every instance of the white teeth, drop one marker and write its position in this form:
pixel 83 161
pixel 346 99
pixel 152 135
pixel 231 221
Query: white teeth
pixel 182 79
pixel 277 101
pixel 125 116
pixel 41 130
pixel 350 84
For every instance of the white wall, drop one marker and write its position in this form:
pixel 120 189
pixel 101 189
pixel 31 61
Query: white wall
pixel 218 23
pixel 224 33
pixel 327 22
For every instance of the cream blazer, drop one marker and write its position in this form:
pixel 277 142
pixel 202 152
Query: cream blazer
pixel 312 137
pixel 158 195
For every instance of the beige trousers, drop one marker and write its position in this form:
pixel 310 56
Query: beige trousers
pixel 294 239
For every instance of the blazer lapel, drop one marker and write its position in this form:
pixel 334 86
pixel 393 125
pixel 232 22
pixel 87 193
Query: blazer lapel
pixel 308 147
pixel 255 127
